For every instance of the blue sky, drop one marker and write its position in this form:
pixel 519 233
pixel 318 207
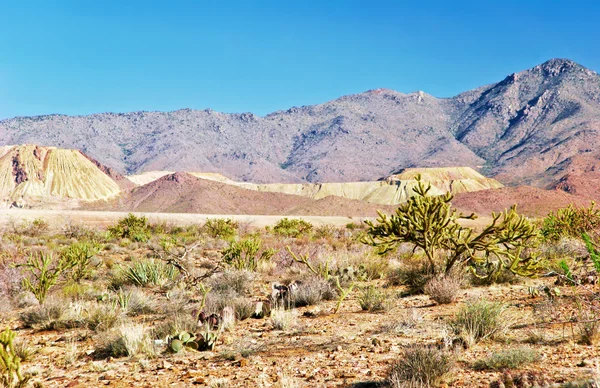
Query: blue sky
pixel 80 57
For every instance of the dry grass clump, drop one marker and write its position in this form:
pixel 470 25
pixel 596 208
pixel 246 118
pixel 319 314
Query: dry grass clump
pixel 238 282
pixel 443 289
pixel 129 339
pixel 283 319
pixel 372 299
pixel 507 359
pixel 480 320
pixel 420 367
pixel 311 291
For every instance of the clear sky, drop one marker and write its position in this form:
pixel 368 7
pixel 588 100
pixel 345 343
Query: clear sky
pixel 84 56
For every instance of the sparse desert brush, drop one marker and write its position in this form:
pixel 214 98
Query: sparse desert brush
pixel 283 319
pixel 224 228
pixel 480 319
pixel 134 301
pixel 420 367
pixel 570 221
pixel 131 227
pixel 443 289
pixel 507 359
pixel 49 316
pixel 238 282
pixel 102 316
pixel 294 227
pixel 129 339
pixel 311 291
pixel 246 254
pixel 372 299
pixel 412 272
pixel 174 324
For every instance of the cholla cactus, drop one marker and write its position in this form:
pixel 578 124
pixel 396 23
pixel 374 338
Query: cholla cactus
pixel 10 363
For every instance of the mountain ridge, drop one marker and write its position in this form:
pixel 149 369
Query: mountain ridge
pixel 524 129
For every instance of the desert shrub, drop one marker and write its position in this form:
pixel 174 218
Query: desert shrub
pixel 243 308
pixel 412 272
pixel 79 255
pixel 220 228
pixel 44 273
pixel 102 316
pixel 129 339
pixel 443 289
pixel 532 379
pixel 479 320
pixel 372 299
pixel 246 254
pixel 231 281
pixel 312 291
pixel 131 227
pixel 420 367
pixel 24 351
pixel 432 225
pixel 11 375
pixel 507 359
pixel 10 281
pixel 374 267
pixel 36 228
pixel 134 301
pixel 570 222
pixel 52 315
pixel 145 272
pixel 283 319
pixel 294 227
pixel 174 324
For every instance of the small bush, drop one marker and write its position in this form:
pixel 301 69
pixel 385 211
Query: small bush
pixel 420 367
pixel 443 289
pixel 507 359
pixel 146 272
pixel 51 316
pixel 79 255
pixel 127 340
pixel 103 317
pixel 292 227
pixel 283 319
pixel 372 299
pixel 135 302
pixel 232 281
pixel 131 227
pixel 220 228
pixel 412 273
pixel 246 254
pixel 479 320
pixel 311 291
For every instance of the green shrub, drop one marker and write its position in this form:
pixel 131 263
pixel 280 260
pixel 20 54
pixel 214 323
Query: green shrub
pixel 220 228
pixel 294 227
pixel 570 221
pixel 131 227
pixel 420 367
pixel 479 320
pixel 146 272
pixel 79 255
pixel 44 273
pixel 246 254
pixel 507 359
pixel 372 299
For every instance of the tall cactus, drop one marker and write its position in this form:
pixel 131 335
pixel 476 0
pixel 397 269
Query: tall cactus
pixel 10 363
pixel 431 224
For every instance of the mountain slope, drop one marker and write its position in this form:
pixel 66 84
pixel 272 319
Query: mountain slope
pixel 525 129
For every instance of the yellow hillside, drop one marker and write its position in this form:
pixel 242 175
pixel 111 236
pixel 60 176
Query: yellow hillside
pixel 391 191
pixel 29 171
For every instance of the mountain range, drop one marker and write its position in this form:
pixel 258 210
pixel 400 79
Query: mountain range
pixel 538 127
